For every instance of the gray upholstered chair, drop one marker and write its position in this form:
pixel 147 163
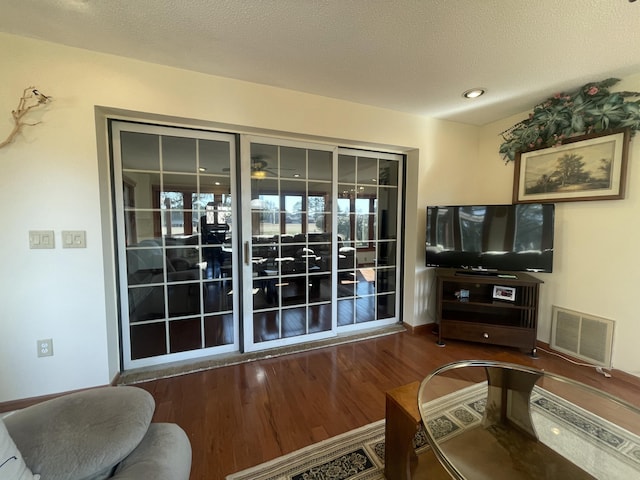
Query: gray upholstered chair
pixel 98 434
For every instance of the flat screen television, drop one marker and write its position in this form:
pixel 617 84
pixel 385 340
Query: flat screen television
pixel 486 238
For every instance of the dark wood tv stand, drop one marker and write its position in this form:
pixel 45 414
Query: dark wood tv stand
pixel 480 316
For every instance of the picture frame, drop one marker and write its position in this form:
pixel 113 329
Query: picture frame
pixel 588 167
pixel 504 293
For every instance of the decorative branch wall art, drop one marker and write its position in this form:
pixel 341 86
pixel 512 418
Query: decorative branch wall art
pixel 31 99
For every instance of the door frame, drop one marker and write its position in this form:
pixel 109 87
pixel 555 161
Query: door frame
pixel 242 165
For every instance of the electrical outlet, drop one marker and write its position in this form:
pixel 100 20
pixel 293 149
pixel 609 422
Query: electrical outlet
pixel 45 347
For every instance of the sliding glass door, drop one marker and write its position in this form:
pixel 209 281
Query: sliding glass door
pixel 288 242
pixel 289 247
pixel 176 231
pixel 321 246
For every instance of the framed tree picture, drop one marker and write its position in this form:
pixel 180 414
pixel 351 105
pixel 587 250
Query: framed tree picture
pixel 589 167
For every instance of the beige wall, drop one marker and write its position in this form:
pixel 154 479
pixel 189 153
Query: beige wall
pixel 596 250
pixel 53 177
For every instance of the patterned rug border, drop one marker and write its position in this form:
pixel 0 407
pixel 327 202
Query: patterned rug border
pixel 359 454
pixel 323 451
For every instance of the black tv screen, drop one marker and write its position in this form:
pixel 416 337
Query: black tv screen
pixel 517 238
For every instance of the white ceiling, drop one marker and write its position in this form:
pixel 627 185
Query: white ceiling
pixel 414 56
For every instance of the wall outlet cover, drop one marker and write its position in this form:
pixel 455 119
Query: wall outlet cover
pixel 45 347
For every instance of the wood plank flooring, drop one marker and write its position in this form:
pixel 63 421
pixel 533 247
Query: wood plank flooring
pixel 242 415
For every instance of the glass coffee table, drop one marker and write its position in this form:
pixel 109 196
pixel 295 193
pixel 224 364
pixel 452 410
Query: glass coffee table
pixel 495 420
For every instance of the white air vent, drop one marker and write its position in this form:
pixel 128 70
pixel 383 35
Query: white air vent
pixel 582 336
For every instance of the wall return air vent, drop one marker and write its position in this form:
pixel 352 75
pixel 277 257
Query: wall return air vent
pixel 583 336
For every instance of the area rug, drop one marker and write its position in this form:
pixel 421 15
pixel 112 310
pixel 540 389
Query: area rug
pixel 603 449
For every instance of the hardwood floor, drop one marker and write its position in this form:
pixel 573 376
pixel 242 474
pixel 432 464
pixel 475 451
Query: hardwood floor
pixel 242 415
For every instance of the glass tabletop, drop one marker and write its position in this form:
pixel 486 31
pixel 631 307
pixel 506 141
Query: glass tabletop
pixel 495 420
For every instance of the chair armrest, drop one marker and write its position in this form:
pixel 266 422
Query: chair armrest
pixel 163 454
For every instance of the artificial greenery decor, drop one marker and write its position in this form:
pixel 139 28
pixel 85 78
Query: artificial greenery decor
pixel 590 109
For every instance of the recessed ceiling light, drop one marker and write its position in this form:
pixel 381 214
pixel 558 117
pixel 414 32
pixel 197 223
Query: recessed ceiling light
pixel 473 93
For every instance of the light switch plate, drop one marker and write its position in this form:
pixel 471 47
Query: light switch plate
pixel 74 239
pixel 41 239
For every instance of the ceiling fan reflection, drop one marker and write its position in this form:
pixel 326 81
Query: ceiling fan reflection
pixel 260 168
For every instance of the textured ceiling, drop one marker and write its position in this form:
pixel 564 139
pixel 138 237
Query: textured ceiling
pixel 414 56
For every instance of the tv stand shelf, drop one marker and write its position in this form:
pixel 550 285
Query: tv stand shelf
pixel 467 308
